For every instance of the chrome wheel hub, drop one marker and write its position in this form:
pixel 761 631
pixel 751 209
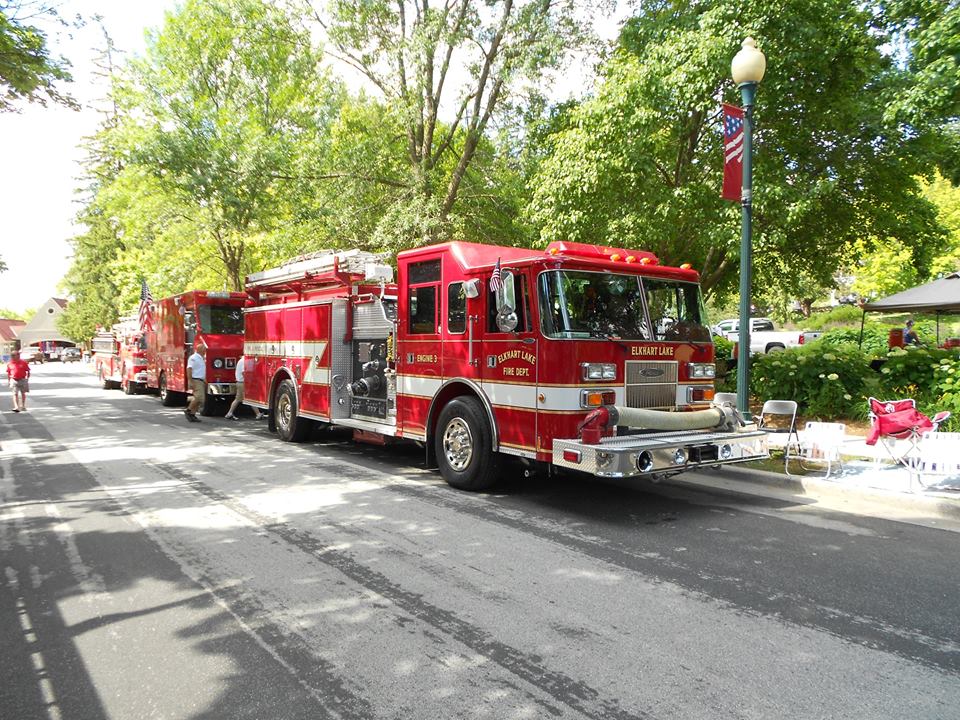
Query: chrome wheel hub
pixel 458 444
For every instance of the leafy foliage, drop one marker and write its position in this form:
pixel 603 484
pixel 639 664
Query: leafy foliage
pixel 27 71
pixel 640 163
pixel 909 372
pixel 827 382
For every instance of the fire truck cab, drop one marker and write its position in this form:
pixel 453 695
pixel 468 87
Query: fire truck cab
pixel 180 321
pixel 578 356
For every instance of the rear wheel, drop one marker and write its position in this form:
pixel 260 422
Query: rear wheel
pixel 463 442
pixel 168 398
pixel 104 382
pixel 290 427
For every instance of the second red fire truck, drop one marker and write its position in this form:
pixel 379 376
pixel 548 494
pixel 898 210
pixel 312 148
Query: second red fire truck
pixel 119 357
pixel 180 321
pixel 578 356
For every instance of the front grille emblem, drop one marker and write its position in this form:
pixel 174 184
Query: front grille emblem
pixel 651 372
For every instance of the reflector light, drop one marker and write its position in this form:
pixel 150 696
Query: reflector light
pixel 571 456
pixel 553 251
pixel 644 261
pixel 686 266
pixel 631 258
pixel 615 257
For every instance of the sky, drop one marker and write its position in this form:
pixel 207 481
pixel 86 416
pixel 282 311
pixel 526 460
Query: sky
pixel 41 151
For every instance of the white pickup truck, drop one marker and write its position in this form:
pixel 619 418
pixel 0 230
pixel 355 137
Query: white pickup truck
pixel 764 337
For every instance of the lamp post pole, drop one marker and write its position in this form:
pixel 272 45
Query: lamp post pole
pixel 747 69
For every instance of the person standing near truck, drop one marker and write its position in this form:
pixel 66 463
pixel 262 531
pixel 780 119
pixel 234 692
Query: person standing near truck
pixel 18 376
pixel 197 380
pixel 238 400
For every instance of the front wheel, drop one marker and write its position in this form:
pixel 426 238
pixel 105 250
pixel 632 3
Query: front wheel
pixel 463 443
pixel 290 426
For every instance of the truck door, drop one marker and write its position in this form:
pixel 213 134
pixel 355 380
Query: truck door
pixel 509 360
pixel 419 349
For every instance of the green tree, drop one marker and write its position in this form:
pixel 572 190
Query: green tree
pixel 886 270
pixel 27 70
pixel 227 101
pixel 640 163
pixel 945 196
pixel 476 60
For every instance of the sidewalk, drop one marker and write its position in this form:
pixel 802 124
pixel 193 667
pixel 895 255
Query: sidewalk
pixel 869 483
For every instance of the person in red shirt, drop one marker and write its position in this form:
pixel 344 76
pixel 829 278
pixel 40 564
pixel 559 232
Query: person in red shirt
pixel 18 374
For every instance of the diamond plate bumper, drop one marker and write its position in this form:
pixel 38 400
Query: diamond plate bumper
pixel 653 453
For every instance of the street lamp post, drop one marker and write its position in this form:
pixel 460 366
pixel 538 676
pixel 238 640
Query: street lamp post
pixel 747 70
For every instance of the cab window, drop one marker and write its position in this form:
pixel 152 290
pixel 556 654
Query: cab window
pixel 456 308
pixel 424 284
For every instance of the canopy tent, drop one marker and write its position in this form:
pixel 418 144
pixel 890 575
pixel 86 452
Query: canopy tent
pixel 941 297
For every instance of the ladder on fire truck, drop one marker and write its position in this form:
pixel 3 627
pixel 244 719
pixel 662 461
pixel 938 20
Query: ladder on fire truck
pixel 324 265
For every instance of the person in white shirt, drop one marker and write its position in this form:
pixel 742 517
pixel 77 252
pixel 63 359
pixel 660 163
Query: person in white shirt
pixel 197 380
pixel 242 368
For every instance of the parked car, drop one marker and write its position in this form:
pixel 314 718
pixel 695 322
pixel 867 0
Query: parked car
pixel 70 355
pixel 764 337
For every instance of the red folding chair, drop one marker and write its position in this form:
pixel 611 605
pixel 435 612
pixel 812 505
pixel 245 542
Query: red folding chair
pixel 900 420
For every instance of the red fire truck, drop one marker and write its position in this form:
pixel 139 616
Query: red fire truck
pixel 106 358
pixel 216 319
pixel 578 356
pixel 120 358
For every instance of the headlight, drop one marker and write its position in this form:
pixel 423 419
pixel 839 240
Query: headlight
pixel 701 371
pixel 218 363
pixel 679 456
pixel 598 371
pixel 726 452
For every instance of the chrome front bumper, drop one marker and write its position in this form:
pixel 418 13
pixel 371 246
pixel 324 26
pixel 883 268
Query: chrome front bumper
pixel 671 452
pixel 221 388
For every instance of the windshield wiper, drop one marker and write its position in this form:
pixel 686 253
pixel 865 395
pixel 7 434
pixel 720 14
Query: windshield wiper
pixel 600 334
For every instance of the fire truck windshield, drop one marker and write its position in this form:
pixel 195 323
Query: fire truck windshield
pixel 578 304
pixel 221 319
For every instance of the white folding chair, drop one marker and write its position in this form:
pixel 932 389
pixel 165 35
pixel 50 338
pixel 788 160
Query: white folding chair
pixel 779 417
pixel 820 446
pixel 722 398
pixel 939 454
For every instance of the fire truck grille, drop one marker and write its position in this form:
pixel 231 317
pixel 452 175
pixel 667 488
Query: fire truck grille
pixel 651 384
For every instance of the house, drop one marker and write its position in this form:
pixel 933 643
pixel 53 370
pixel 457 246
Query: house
pixel 9 330
pixel 41 331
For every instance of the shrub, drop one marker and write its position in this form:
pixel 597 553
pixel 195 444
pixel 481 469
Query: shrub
pixel 875 337
pixel 911 372
pixel 827 382
pixel 840 315
pixel 946 381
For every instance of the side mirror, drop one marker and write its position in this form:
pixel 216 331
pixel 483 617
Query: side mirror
pixel 471 288
pixel 507 304
pixel 506 295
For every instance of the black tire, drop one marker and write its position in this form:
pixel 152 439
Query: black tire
pixel 775 348
pixel 104 383
pixel 168 398
pixel 127 387
pixel 290 426
pixel 462 443
pixel 212 405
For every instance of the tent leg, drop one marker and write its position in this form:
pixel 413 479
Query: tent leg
pixel 863 319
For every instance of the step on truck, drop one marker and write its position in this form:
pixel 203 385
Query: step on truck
pixel 578 356
pixel 180 321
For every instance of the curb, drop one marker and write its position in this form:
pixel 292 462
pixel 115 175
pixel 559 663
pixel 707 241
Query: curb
pixel 924 509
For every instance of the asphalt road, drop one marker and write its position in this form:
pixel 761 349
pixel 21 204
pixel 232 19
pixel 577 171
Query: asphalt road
pixel 151 568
